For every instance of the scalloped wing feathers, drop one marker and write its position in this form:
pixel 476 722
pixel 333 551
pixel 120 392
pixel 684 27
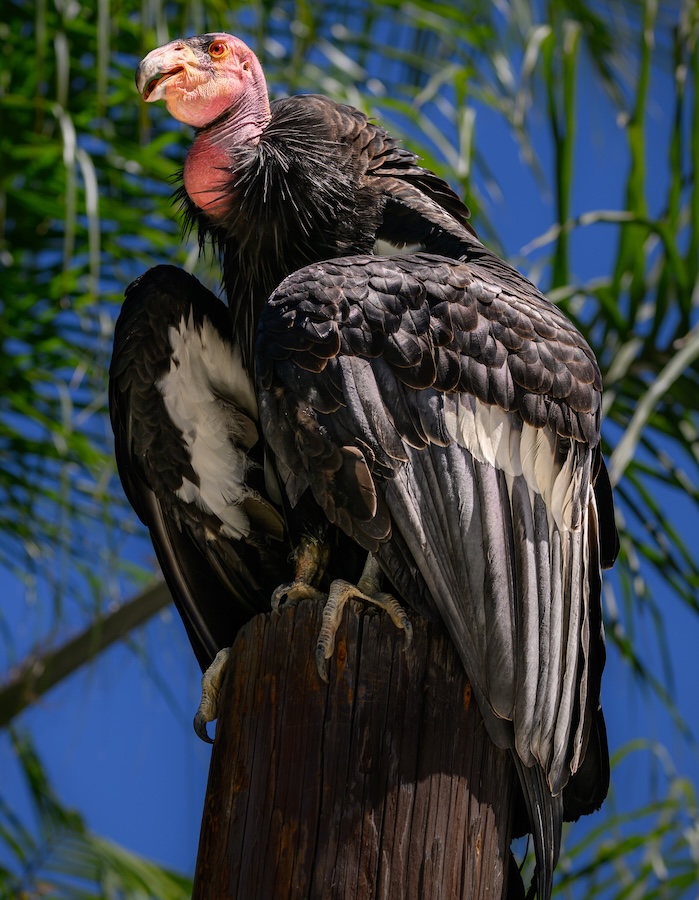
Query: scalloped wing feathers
pixel 470 408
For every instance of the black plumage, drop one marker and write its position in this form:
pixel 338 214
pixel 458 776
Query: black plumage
pixel 322 182
pixel 221 564
pixel 488 502
pixel 434 406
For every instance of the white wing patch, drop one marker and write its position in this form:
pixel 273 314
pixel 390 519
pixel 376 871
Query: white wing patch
pixel 551 603
pixel 386 248
pixel 202 392
pixel 501 439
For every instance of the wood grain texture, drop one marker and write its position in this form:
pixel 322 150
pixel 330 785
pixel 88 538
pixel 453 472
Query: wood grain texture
pixel 382 784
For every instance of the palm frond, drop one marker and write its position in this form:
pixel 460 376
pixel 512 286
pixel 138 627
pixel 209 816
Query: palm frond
pixel 56 855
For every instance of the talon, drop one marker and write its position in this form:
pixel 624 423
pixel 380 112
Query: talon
pixel 366 589
pixel 201 720
pixel 397 614
pixel 211 682
pixel 281 595
pixel 321 662
pixel 340 593
pixel 294 591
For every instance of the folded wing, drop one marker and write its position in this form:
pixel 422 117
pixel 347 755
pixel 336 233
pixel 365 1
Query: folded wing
pixel 189 456
pixel 447 416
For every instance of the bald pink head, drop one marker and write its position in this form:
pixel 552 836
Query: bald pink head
pixel 202 77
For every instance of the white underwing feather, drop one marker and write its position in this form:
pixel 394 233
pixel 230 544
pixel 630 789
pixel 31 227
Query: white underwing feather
pixel 386 248
pixel 210 398
pixel 580 739
pixel 548 496
pixel 571 643
pixel 527 645
pixel 485 435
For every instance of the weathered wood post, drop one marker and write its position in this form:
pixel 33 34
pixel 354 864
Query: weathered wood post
pixel 382 784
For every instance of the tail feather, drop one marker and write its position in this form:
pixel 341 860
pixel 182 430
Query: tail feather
pixel 546 820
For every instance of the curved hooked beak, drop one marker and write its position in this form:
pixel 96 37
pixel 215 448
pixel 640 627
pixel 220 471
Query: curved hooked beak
pixel 156 70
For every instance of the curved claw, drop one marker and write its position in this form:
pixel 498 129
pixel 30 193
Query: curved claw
pixel 293 591
pixel 200 722
pixel 211 682
pixel 322 662
pixel 397 614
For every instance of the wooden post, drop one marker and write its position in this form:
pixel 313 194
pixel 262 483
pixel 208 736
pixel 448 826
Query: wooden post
pixel 382 784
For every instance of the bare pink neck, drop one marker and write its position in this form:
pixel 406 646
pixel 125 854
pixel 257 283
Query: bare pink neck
pixel 207 170
pixel 207 175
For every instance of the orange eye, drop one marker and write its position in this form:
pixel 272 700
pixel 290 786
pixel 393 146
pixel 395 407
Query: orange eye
pixel 217 49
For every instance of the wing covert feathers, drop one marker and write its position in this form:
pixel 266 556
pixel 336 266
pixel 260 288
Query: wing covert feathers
pixel 473 406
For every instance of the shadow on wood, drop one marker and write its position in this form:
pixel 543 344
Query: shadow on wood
pixel 382 784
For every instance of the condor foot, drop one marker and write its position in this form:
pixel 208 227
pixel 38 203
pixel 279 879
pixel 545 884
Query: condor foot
pixel 368 590
pixel 211 682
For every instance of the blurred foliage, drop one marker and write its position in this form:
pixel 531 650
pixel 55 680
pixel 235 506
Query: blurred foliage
pixel 477 89
pixel 648 851
pixel 55 856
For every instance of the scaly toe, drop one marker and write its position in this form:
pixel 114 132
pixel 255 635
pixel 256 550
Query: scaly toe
pixel 397 614
pixel 340 593
pixel 367 590
pixel 211 682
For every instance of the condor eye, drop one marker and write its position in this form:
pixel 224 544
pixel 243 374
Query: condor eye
pixel 217 49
